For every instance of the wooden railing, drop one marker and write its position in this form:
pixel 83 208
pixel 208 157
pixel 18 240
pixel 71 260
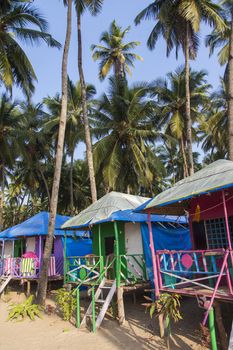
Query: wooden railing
pixel 28 267
pixel 128 269
pixel 201 268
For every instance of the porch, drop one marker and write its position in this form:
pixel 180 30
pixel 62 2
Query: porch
pixel 29 268
pixel 205 273
pixel 89 270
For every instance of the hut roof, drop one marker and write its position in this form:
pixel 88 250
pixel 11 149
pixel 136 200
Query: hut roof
pixel 35 226
pixel 102 209
pixel 175 200
pixel 114 206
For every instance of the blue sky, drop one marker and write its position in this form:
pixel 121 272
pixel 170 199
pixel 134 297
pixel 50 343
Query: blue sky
pixel 47 62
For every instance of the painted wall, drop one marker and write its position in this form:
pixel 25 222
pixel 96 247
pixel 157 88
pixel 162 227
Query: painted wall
pixel 8 248
pixel 211 207
pixel 133 245
pixel 107 230
pixel 31 244
pixel 133 238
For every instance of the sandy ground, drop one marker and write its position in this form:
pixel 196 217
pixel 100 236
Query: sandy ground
pixel 139 331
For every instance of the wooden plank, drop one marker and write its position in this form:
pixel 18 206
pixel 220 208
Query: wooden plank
pixel 106 305
pixel 231 338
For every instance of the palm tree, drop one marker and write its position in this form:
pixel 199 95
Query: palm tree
pixel 42 285
pixel 220 39
pixel 213 125
pixel 171 97
pixel 115 54
pixel 35 149
pixel 123 125
pixel 178 22
pixel 9 125
pixel 94 6
pixel 74 127
pixel 20 20
pixel 228 6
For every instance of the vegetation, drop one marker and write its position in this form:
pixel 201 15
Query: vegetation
pixel 24 310
pixel 66 302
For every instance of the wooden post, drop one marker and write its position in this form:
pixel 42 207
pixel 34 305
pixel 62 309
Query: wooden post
pixel 227 226
pixel 64 260
pixel 220 325
pixel 100 249
pixel 28 288
pixel 152 248
pixel 120 301
pixel 120 305
pixel 231 338
pixel 3 248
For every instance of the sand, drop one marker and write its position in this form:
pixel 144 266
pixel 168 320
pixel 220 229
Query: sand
pixel 139 331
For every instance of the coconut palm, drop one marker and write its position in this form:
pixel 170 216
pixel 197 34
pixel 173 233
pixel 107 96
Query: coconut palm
pixel 220 39
pixel 42 285
pixel 20 21
pixel 213 125
pixel 116 54
pixel 94 6
pixel 123 127
pixel 74 127
pixel 171 97
pixel 178 22
pixel 9 125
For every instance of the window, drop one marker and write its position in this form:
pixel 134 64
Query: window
pixel 216 233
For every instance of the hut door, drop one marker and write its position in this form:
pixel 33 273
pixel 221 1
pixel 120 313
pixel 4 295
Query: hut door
pixel 199 235
pixel 109 245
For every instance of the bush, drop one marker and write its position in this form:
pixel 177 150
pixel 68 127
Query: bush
pixel 23 310
pixel 66 303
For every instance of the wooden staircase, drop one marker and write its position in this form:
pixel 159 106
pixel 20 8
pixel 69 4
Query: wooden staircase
pixel 4 281
pixel 102 298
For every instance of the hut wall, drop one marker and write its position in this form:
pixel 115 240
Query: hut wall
pixel 211 205
pixel 31 244
pixel 58 253
pixel 8 248
pixel 133 244
pixel 107 231
pixel 211 208
pixel 133 238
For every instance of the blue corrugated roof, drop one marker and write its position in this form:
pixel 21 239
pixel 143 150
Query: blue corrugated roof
pixel 37 226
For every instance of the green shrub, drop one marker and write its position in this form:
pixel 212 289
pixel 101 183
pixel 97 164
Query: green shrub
pixel 66 302
pixel 23 310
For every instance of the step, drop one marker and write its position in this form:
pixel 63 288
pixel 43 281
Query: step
pixel 106 287
pixel 100 301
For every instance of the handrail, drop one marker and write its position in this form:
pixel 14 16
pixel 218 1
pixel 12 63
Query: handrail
pixel 90 272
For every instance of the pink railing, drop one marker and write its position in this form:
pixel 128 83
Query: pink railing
pixel 29 267
pixel 178 268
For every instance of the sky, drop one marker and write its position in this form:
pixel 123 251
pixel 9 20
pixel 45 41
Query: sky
pixel 47 61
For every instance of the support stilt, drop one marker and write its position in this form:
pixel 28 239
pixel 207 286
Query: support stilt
pixel 120 306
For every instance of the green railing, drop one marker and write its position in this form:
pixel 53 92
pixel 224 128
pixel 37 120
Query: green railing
pixel 85 269
pixel 90 270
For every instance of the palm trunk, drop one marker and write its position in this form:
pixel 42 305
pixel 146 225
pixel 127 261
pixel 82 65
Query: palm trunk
pixel 182 148
pixel 42 285
pixel 85 116
pixel 71 184
pixel 187 105
pixel 46 185
pixel 230 94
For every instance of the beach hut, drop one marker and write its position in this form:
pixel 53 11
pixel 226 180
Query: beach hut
pixel 23 245
pixel 121 258
pixel 205 271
